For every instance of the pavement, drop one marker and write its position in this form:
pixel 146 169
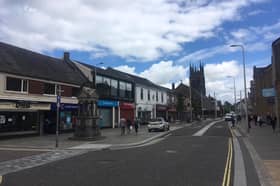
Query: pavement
pixel 179 158
pixel 265 150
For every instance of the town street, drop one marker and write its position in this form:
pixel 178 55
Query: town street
pixel 181 158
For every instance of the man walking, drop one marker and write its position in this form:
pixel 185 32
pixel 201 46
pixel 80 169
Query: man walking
pixel 136 125
pixel 123 124
pixel 273 123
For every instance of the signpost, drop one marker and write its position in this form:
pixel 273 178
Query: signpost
pixel 58 101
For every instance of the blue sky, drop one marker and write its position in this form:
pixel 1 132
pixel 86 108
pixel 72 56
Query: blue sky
pixel 156 40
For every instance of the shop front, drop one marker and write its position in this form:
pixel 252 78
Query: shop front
pixel 161 111
pixel 68 117
pixel 108 112
pixel 127 111
pixel 144 113
pixel 21 116
pixel 172 115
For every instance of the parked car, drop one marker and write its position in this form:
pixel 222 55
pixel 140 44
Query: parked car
pixel 228 117
pixel 158 124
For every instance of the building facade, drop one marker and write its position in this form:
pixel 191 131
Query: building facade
pixel 116 94
pixel 276 75
pixel 29 84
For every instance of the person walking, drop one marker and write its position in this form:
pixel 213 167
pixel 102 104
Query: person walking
pixel 136 125
pixel 273 123
pixel 123 125
pixel 255 117
pixel 129 125
pixel 232 121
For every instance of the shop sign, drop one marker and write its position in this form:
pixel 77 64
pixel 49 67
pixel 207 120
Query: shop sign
pixel 107 103
pixel 23 104
pixel 268 92
pixel 125 105
pixel 161 107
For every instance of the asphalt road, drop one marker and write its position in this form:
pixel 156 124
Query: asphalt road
pixel 178 160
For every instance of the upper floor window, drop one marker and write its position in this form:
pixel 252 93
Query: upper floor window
pixel 122 88
pixel 162 97
pixel 114 87
pixel 156 96
pixel 49 88
pixel 128 92
pixel 149 95
pixel 99 79
pixel 141 94
pixel 16 84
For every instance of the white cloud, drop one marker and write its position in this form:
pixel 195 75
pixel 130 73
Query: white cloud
pixel 126 69
pixel 218 80
pixel 256 12
pixel 163 73
pixel 253 38
pixel 142 29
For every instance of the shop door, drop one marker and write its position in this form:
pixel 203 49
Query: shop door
pixel 106 118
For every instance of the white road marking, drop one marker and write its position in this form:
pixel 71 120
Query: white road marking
pixel 239 167
pixel 204 129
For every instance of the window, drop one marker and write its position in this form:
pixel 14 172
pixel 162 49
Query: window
pixel 141 94
pixel 107 81
pixel 128 92
pixel 156 96
pixel 122 89
pixel 149 95
pixel 114 87
pixel 75 92
pixel 162 97
pixel 99 79
pixel 49 88
pixel 16 84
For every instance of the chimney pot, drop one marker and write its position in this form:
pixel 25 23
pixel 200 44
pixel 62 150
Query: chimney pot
pixel 173 86
pixel 66 56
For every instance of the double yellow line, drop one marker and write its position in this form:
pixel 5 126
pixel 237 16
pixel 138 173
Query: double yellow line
pixel 227 173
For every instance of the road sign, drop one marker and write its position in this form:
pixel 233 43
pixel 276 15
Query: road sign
pixel 268 92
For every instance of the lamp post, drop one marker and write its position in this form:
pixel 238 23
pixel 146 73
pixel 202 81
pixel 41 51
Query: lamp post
pixel 234 89
pixel 245 89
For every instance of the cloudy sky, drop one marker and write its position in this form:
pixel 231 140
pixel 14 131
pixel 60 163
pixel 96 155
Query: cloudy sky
pixel 155 39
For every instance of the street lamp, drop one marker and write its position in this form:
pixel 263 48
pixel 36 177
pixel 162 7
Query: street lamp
pixel 234 91
pixel 245 89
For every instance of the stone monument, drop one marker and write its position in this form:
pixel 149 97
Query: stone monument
pixel 87 128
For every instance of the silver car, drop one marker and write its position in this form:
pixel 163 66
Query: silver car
pixel 158 124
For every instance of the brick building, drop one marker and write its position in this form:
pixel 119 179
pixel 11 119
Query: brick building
pixel 276 73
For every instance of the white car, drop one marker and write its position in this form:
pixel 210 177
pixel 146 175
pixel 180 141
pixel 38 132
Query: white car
pixel 158 124
pixel 228 117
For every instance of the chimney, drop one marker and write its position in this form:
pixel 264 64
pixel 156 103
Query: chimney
pixel 66 56
pixel 173 86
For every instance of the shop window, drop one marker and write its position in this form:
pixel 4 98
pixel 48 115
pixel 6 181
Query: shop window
pixel 49 89
pixel 107 81
pixel 114 87
pixel 16 84
pixel 122 89
pixel 141 94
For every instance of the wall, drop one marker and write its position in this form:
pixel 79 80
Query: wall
pixel 8 95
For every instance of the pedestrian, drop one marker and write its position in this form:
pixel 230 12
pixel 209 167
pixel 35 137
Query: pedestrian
pixel 260 120
pixel 232 121
pixel 273 123
pixel 136 125
pixel 238 118
pixel 129 125
pixel 255 117
pixel 250 118
pixel 123 125
pixel 268 119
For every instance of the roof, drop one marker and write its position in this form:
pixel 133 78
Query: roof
pixel 109 72
pixel 276 41
pixel 22 62
pixel 182 89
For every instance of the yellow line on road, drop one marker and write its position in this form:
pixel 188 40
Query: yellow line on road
pixel 230 160
pixel 227 173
